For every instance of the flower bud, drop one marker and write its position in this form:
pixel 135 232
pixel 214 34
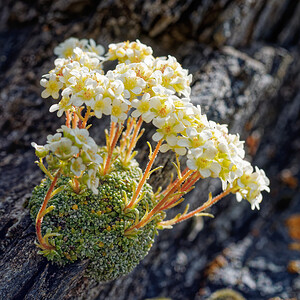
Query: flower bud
pixel 40 151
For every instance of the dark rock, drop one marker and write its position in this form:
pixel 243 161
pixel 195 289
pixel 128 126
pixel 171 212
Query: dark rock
pixel 241 76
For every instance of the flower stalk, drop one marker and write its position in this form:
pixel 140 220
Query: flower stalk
pixel 135 137
pixel 115 132
pixel 145 176
pixel 148 217
pixel 43 241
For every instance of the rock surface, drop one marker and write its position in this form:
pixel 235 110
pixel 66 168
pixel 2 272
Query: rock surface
pixel 244 57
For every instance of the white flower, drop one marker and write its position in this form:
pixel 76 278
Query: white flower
pixel 63 149
pixel 87 60
pixel 129 52
pixel 250 185
pixel 156 78
pixel 89 154
pixel 65 49
pixel 116 89
pixel 77 84
pixel 174 77
pixel 143 108
pixel 162 107
pixel 77 166
pixel 161 91
pixel 54 138
pixel 63 106
pixel 61 62
pixel 52 86
pixel 203 160
pixel 176 148
pixel 168 129
pixel 87 94
pixel 195 139
pixel 102 106
pixel 133 85
pixel 118 111
pixel 64 73
pixel 93 47
pixel 80 136
pixel 93 181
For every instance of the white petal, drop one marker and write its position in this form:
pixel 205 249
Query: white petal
pixel 191 164
pixel 136 113
pixel 45 94
pixel 54 107
pixel 205 173
pixel 137 90
pixel 180 151
pixel 157 136
pixel 171 140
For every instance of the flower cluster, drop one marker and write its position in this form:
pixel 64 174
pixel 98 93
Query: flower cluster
pixel 156 90
pixel 129 52
pixel 250 184
pixel 141 88
pixel 104 221
pixel 73 152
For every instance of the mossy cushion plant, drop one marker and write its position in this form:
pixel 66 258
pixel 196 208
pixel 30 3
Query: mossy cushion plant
pixel 92 225
pixel 95 203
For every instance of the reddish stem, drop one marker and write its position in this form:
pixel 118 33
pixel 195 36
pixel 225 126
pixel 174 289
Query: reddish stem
pixel 86 117
pixel 112 132
pixel 133 139
pixel 75 120
pixel 39 219
pixel 127 133
pixel 206 205
pixel 170 186
pixel 145 176
pixel 68 118
pixel 112 146
pixel 184 189
pixel 160 204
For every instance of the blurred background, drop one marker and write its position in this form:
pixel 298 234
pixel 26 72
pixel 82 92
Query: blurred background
pixel 244 57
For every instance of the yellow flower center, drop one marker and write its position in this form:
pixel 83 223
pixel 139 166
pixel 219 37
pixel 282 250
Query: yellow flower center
pixel 87 94
pixel 99 105
pixel 130 83
pixel 53 86
pixel 64 101
pixel 144 107
pixel 79 86
pixel 201 163
pixel 68 52
pixel 163 111
pixel 116 110
pixel 168 129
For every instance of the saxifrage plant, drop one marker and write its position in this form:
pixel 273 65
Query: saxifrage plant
pixel 95 202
